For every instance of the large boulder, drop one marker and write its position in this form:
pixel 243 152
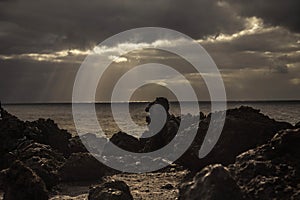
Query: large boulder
pixel 214 182
pixel 271 171
pixel 123 141
pixel 21 183
pixel 244 128
pixel 112 190
pixel 41 158
pixel 82 167
pixel 47 132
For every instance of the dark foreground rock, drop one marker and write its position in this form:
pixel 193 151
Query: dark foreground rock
pixel 42 159
pixel 112 190
pixel 47 132
pixel 271 171
pixel 244 128
pixel 21 183
pixel 11 134
pixel 297 125
pixel 82 167
pixel 212 183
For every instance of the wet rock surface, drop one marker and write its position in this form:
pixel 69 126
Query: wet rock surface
pixel 111 190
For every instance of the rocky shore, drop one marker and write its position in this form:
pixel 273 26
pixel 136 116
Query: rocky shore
pixel 255 158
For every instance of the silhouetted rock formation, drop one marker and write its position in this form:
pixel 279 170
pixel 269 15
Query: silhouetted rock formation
pixel 21 183
pixel 112 190
pixel 244 128
pixel 153 139
pixel 297 125
pixel 47 132
pixel 39 154
pixel 214 182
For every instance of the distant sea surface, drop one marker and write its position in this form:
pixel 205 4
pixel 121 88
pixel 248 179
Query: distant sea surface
pixel 62 113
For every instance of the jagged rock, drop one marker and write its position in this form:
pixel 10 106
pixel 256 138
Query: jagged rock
pixel 42 159
pixel 123 141
pixel 212 183
pixel 82 167
pixel 244 128
pixel 47 132
pixel 21 183
pixel 112 190
pixel 11 134
pixel 271 171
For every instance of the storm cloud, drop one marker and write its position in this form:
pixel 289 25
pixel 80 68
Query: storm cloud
pixel 255 44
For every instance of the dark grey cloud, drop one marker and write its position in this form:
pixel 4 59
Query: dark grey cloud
pixel 275 12
pixel 35 26
pixel 263 64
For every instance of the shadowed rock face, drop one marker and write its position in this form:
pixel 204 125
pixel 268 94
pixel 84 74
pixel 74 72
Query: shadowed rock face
pixel 21 183
pixel 271 170
pixel 42 159
pixel 124 141
pixel 112 190
pixel 47 132
pixel 82 167
pixel 214 182
pixel 244 128
pixel 11 134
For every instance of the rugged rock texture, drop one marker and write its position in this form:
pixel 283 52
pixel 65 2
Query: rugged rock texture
pixel 271 171
pixel 11 134
pixel 82 167
pixel 42 159
pixel 214 182
pixel 244 128
pixel 21 183
pixel 112 190
pixel 47 132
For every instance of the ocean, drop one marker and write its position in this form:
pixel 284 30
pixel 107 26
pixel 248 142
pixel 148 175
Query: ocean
pixel 62 114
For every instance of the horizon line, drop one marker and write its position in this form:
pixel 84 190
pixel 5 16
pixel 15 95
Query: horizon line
pixel 132 102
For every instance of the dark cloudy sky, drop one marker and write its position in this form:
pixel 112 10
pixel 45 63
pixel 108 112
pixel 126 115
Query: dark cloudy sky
pixel 255 44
